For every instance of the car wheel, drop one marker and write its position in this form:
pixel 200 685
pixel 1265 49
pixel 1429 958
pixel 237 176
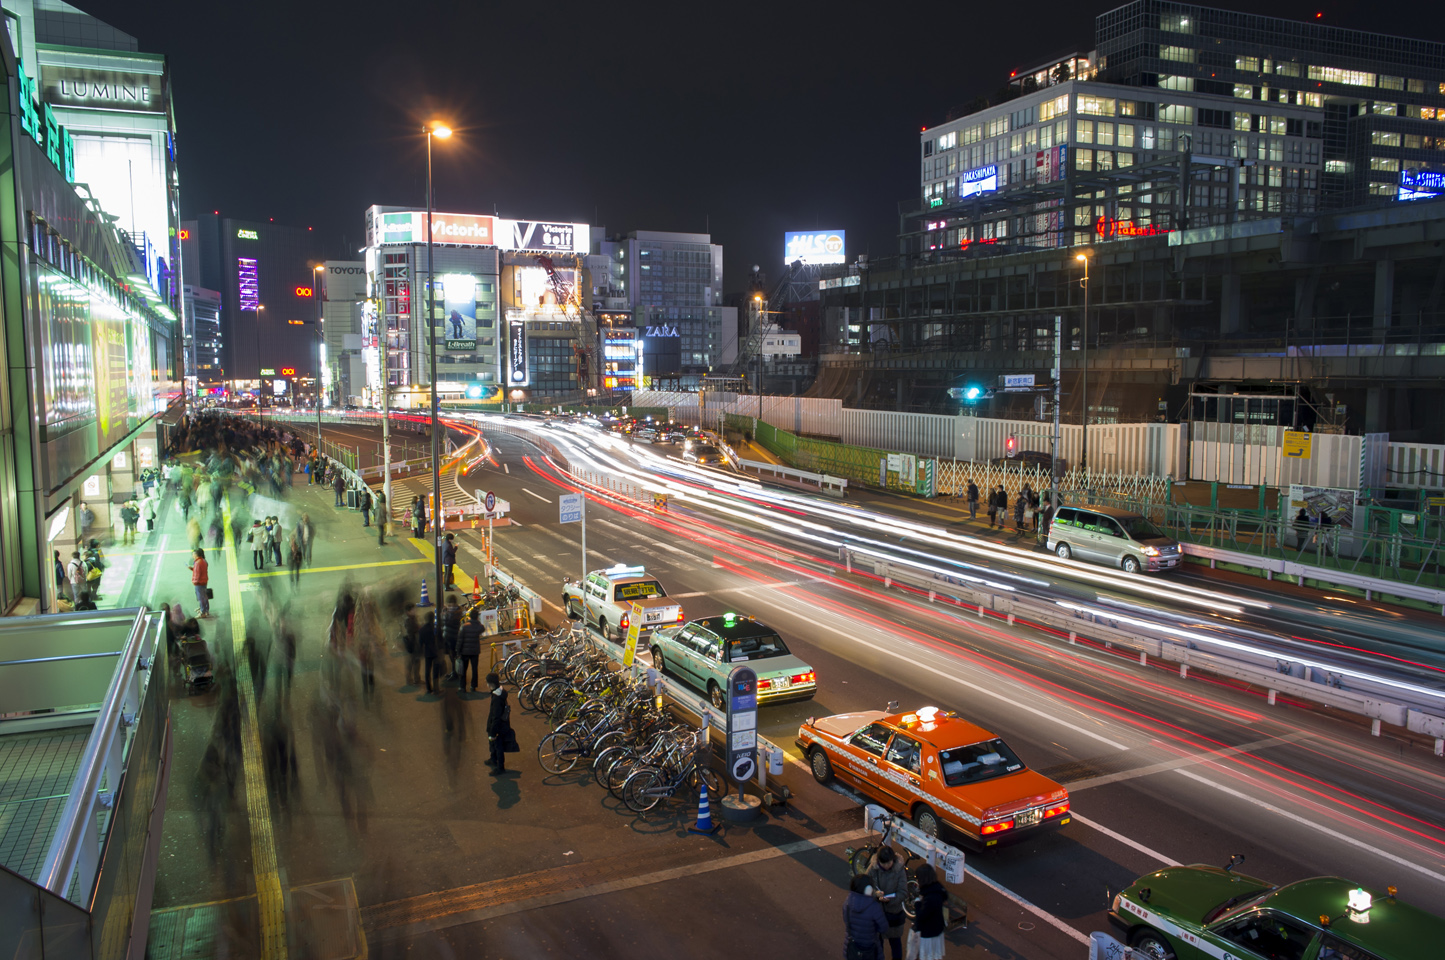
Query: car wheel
pixel 715 694
pixel 658 662
pixel 602 629
pixel 926 820
pixel 822 767
pixel 1063 551
pixel 1151 943
pixel 574 612
pixel 1131 564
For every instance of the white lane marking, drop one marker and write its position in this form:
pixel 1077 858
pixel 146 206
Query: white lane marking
pixel 537 495
pixel 1306 822
pixel 506 469
pixel 1126 841
pixel 1041 714
pixel 160 562
pixel 1036 910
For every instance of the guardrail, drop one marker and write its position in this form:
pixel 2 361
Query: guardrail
pixel 1294 676
pixel 829 485
pixel 1302 572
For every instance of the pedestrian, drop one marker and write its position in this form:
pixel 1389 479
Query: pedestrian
pixel 200 577
pixel 418 517
pixel 86 517
pixel 129 518
pixel 992 507
pixel 61 580
pixel 890 883
pixel 184 496
pixel 451 632
pixel 929 920
pixel 411 644
pixel 256 537
pixel 148 511
pixel 500 736
pixel 1302 525
pixel 295 555
pixel 94 568
pixel 75 575
pixel 1021 503
pixel 454 730
pixel 864 922
pixel 363 500
pixel 85 603
pixel 273 539
pixel 383 517
pixel 449 559
pixel 972 500
pixel 426 642
pixel 339 485
pixel 306 533
pixel 469 649
pixel 1002 507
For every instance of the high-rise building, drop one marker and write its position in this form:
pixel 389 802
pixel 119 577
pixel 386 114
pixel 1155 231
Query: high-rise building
pixel 1184 116
pixel 203 339
pixel 343 300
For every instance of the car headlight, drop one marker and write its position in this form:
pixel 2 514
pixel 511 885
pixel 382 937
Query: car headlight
pixel 1114 906
pixel 1151 551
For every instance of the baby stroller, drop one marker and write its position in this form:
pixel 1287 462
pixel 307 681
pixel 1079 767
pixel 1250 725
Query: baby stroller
pixel 196 664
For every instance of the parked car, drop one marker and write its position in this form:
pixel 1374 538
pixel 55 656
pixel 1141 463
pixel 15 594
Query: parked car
pixel 1200 911
pixel 604 600
pixel 1118 538
pixel 935 768
pixel 703 653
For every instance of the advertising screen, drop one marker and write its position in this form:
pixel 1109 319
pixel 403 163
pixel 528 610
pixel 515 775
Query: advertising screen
pixel 815 246
pixel 516 352
pixel 546 237
pixel 459 299
pixel 982 180
pixel 248 283
pixel 1421 184
pixel 532 288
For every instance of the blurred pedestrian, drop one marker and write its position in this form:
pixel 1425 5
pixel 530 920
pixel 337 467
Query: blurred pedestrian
pixel 454 730
pixel 339 485
pixel 273 538
pixel 449 559
pixel 500 736
pixel 972 500
pixel 864 923
pixel 306 533
pixel 451 632
pixel 256 537
pixel 411 644
pixel 418 517
pixel 200 577
pixel 992 507
pixel 427 643
pixel 129 518
pixel 469 649
pixel 929 922
pixel 1021 503
pixel 295 555
pixel 148 511
pixel 363 501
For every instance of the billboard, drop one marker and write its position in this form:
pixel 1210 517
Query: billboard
pixel 248 283
pixel 459 300
pixel 980 180
pixel 516 352
pixel 815 246
pixel 531 287
pixel 1420 184
pixel 409 226
pixel 543 237
pixel 344 280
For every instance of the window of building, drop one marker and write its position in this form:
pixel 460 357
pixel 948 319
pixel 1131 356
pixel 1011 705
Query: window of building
pixel 1337 166
pixel 1176 113
pixel 997 127
pixel 1314 99
pixel 1385 109
pixel 1125 135
pixel 1278 126
pixel 1385 163
pixel 1248 64
pixel 1243 91
pixel 1385 138
pixel 1083 131
pixel 1104 134
pixel 1415 86
pixel 973 134
pixel 1175 23
pixel 1391 83
pixel 1057 107
pixel 1168 82
pixel 1182 54
pixel 1384 189
pixel 1354 78
pixel 1061 132
pixel 1413 141
pixel 1083 159
pixel 948 141
pixel 1286 69
pixel 1242 122
pixel 1097 106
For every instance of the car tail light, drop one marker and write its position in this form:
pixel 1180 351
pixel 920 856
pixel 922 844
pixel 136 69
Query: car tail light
pixel 764 683
pixel 998 826
pixel 805 677
pixel 679 614
pixel 1056 810
pixel 626 621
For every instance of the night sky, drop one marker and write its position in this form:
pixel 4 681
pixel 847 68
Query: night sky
pixel 742 120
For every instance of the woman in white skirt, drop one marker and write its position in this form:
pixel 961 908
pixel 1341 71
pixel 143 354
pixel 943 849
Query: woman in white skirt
pixel 925 940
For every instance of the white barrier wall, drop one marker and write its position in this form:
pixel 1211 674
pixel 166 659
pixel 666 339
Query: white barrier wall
pixel 1232 453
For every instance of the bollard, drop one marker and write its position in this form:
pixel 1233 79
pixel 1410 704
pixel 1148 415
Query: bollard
pixel 1184 671
pixel 1143 659
pixel 1073 637
pixel 1271 698
pixel 1375 727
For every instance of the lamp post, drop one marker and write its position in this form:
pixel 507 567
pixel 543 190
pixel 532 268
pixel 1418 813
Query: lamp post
pixel 260 388
pixel 434 129
pixel 1084 357
pixel 320 321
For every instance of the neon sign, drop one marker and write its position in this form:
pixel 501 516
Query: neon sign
pixel 981 180
pixel 288 371
pixel 247 235
pixel 303 291
pixel 1107 228
pixel 248 284
pixel 48 135
pixel 185 234
pixel 1420 184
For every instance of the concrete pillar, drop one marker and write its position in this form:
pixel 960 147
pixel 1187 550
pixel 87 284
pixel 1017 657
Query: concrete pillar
pixel 1375 412
pixel 1384 293
pixel 1229 304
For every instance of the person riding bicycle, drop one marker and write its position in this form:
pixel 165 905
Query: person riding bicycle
pixel 890 877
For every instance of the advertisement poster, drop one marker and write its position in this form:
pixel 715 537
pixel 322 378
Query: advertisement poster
pixel 815 246
pixel 459 300
pixel 516 352
pixel 112 374
pixel 1336 503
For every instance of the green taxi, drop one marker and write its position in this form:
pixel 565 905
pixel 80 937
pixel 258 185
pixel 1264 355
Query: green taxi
pixel 1200 911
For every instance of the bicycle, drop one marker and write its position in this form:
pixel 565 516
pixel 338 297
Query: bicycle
pixel 647 787
pixel 859 860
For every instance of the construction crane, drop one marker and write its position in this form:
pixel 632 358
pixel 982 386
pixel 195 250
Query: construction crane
pixel 587 346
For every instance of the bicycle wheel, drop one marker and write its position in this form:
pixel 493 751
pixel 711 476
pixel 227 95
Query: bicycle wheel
pixel 643 790
pixel 604 761
pixel 612 738
pixel 910 897
pixel 511 665
pixel 527 694
pixel 550 693
pixel 566 708
pixel 617 774
pixel 558 752
pixel 861 858
pixel 717 787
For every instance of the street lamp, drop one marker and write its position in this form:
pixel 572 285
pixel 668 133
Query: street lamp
pixel 1084 356
pixel 439 130
pixel 260 390
pixel 320 320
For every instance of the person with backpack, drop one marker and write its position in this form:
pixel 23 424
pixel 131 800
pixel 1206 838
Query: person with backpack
pixel 864 922
pixel 75 576
pixel 94 568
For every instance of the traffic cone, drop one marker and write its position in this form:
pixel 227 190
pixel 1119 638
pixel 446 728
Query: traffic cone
pixel 704 823
pixel 476 588
pixel 425 599
pixel 517 627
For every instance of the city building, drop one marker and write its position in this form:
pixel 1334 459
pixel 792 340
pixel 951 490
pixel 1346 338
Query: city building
pixel 508 303
pixel 115 101
pixel 343 303
pixel 266 275
pixel 90 349
pixel 1183 116
pixel 671 285
pixel 1256 204
pixel 203 340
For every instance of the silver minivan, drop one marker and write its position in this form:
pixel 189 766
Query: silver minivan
pixel 1116 537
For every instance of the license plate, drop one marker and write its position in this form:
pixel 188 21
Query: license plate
pixel 654 616
pixel 1170 563
pixel 781 683
pixel 1028 818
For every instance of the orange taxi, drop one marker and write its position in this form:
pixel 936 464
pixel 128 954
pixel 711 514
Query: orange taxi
pixel 935 768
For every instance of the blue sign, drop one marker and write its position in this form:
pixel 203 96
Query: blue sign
pixel 981 180
pixel 569 508
pixel 815 246
pixel 1421 184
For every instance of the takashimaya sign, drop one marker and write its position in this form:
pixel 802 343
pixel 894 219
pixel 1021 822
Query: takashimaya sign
pixel 68 86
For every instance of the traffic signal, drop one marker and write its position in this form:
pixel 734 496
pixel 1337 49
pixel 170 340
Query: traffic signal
pixel 972 393
pixel 1011 446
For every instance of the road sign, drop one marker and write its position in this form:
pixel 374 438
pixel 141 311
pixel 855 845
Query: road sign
pixel 1018 381
pixel 1297 444
pixel 569 508
pixel 490 501
pixel 634 630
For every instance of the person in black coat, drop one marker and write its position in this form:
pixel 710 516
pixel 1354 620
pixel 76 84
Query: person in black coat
pixel 928 918
pixel 864 922
pixel 469 648
pixel 499 726
pixel 427 645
